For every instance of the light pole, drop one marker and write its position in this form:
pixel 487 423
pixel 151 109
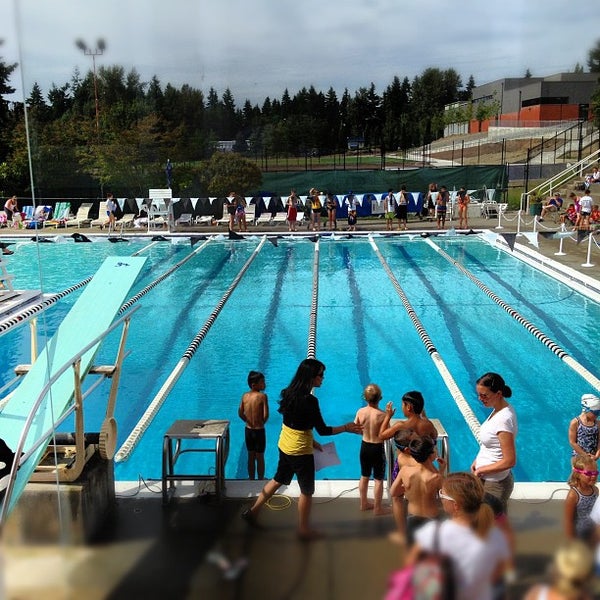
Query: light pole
pixel 97 51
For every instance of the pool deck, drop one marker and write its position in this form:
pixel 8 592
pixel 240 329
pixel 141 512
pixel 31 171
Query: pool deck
pixel 149 551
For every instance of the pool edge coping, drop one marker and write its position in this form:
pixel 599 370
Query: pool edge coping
pixel 348 488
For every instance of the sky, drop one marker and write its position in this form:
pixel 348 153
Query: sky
pixel 259 48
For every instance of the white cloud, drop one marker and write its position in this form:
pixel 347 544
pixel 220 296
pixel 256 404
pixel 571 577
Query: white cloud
pixel 259 48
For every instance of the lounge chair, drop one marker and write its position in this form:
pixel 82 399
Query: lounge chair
pixel 102 218
pixel 60 215
pixel 184 219
pixel 125 221
pixel 204 220
pixel 250 211
pixel 81 218
pixel 279 217
pixel 265 217
pixel 224 220
pixel 40 215
pixel 489 209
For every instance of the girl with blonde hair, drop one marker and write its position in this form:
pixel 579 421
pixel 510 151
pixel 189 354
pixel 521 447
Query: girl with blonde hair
pixel 581 498
pixel 477 548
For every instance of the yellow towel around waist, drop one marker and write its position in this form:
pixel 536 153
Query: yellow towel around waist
pixel 295 442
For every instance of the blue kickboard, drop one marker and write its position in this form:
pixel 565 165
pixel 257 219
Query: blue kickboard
pixel 93 312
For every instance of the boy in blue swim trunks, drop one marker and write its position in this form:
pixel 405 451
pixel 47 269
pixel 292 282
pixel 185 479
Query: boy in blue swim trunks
pixel 254 411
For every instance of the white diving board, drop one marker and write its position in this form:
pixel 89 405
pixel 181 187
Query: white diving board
pixel 90 316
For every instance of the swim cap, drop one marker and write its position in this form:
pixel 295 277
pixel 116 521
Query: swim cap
pixel 590 402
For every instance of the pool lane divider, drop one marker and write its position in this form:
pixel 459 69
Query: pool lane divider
pixel 158 280
pixel 138 252
pixel 530 327
pixel 457 395
pixel 26 315
pixel 138 431
pixel 314 306
pixel 29 313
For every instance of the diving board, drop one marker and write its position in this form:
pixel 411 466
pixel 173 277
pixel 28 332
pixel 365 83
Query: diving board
pixel 90 316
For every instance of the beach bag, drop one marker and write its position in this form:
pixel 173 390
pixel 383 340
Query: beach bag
pixel 430 578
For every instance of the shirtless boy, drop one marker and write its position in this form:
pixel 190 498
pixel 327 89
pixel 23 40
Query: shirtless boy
pixel 413 408
pixel 419 484
pixel 415 421
pixel 254 410
pixel 402 439
pixel 372 452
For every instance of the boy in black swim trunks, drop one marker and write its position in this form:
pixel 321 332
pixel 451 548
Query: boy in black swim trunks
pixel 254 411
pixel 372 452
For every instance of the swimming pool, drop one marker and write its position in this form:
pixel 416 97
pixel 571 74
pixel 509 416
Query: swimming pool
pixel 364 334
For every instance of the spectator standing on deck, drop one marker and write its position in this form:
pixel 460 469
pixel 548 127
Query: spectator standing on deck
pixel 463 208
pixel 585 210
pixel 10 208
pixel 292 210
pixel 331 205
pixel 111 209
pixel 497 455
pixel 315 206
pixel 441 206
pixel 389 209
pixel 402 209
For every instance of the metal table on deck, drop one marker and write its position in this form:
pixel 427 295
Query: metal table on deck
pixel 194 429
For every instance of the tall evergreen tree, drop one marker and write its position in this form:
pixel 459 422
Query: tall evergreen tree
pixel 6 70
pixel 593 61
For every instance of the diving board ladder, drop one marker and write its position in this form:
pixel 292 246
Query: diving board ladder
pixel 45 396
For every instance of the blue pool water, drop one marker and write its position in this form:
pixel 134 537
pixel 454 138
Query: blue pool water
pixel 364 334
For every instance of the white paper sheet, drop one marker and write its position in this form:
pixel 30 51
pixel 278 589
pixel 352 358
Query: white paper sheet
pixel 326 457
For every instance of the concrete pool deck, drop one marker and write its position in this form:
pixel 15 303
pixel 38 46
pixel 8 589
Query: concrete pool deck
pixel 150 551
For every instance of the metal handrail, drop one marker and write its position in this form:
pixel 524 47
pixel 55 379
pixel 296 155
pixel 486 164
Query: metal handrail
pixel 32 413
